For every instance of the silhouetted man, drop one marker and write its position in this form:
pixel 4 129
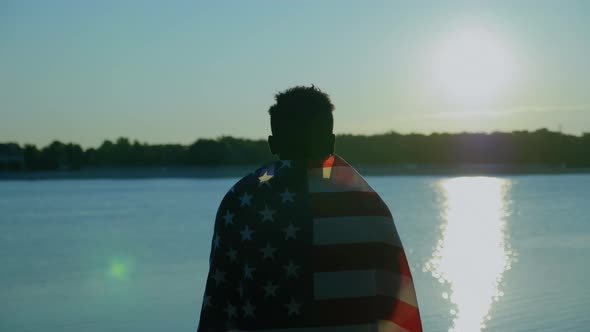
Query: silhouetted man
pixel 304 243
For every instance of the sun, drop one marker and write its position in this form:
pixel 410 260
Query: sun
pixel 472 65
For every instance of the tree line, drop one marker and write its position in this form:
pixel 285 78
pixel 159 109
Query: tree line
pixel 540 147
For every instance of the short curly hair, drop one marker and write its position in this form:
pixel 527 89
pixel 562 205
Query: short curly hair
pixel 302 116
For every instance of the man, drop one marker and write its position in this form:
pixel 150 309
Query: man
pixel 304 243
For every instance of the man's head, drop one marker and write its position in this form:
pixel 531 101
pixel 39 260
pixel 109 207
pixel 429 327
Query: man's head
pixel 301 122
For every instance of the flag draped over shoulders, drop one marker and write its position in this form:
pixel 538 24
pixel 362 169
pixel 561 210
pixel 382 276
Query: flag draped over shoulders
pixel 307 246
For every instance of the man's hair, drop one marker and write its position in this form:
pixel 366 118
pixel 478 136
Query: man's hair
pixel 301 118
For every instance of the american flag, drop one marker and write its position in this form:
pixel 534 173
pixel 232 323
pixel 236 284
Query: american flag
pixel 307 246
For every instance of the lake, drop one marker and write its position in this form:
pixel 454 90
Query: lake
pixel 508 253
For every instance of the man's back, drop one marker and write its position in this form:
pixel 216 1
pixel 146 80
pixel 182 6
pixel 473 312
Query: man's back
pixel 302 244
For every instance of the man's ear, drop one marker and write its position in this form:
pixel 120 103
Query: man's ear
pixel 272 144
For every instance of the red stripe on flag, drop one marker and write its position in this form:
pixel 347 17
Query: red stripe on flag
pixel 332 161
pixel 361 310
pixel 406 316
pixel 403 263
pixel 352 203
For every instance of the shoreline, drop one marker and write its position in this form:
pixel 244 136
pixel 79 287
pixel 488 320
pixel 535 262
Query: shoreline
pixel 241 170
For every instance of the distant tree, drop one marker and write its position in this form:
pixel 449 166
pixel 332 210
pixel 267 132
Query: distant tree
pixel 32 156
pixel 207 152
pixel 541 147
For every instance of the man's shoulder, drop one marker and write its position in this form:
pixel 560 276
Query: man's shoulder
pixel 250 181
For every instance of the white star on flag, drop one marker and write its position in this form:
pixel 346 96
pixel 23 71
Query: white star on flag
pixel 231 310
pixel 265 179
pixel 246 233
pixel 248 271
pixel 216 241
pixel 245 199
pixel 267 214
pixel 206 301
pixel 293 307
pixel 232 253
pixel 248 309
pixel 287 196
pixel 229 218
pixel 268 251
pixel 291 269
pixel 290 231
pixel 218 276
pixel 270 289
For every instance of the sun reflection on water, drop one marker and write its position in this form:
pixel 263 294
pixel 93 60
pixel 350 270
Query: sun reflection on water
pixel 474 251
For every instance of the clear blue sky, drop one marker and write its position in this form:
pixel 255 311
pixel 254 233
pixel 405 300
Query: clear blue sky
pixel 174 71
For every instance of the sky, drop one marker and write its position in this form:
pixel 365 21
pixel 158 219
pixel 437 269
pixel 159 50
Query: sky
pixel 176 71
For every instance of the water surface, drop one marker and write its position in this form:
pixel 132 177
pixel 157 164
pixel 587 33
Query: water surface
pixel 504 253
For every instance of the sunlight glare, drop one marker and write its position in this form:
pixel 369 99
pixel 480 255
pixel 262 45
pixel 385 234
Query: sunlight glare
pixel 472 66
pixel 474 252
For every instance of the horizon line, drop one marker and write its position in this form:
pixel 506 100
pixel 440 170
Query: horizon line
pixel 221 136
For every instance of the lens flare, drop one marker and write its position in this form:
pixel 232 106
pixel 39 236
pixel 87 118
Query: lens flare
pixel 120 269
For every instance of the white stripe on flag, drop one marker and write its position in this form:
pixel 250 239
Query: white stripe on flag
pixel 341 179
pixel 347 328
pixel 361 229
pixel 381 326
pixel 364 283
